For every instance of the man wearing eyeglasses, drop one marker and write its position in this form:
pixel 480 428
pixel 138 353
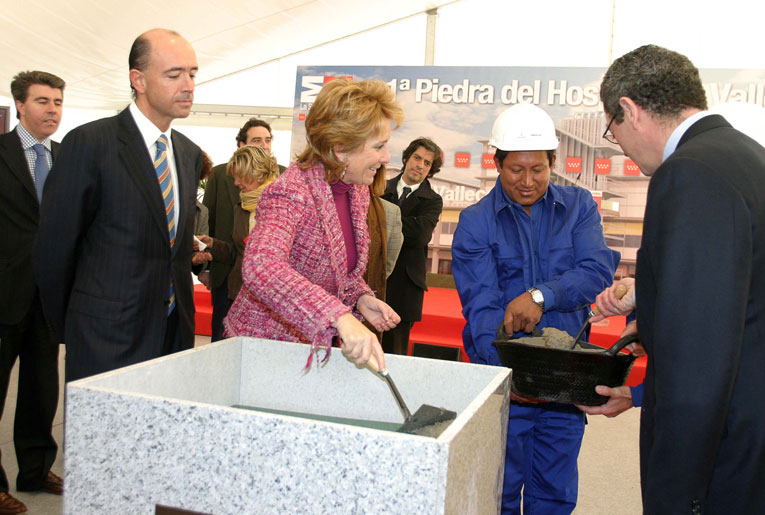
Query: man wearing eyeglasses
pixel 699 288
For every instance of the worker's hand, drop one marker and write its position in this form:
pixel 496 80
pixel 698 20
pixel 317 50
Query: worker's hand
pixel 619 401
pixel 522 314
pixel 200 257
pixel 358 342
pixel 610 306
pixel 377 313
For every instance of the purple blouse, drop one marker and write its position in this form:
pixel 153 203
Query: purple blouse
pixel 343 206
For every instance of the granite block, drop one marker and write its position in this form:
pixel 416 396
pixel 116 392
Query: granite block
pixel 165 432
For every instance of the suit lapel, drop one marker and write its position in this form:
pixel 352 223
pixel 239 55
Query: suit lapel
pixel 233 191
pixel 141 169
pixel 390 190
pixel 184 168
pixel 413 200
pixel 410 202
pixel 13 154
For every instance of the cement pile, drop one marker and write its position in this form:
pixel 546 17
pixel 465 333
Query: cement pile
pixel 554 339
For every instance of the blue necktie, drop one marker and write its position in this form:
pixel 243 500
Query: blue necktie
pixel 41 168
pixel 166 186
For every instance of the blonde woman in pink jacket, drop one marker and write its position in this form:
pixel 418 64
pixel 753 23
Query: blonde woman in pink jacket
pixel 305 260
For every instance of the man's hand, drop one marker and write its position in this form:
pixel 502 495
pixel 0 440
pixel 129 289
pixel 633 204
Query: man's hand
pixel 522 313
pixel 201 257
pixel 636 349
pixel 610 306
pixel 205 239
pixel 619 401
pixel 377 313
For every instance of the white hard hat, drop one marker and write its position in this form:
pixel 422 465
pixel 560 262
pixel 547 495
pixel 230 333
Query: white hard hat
pixel 523 127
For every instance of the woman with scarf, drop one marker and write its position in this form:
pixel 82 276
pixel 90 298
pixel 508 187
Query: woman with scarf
pixel 303 272
pixel 252 168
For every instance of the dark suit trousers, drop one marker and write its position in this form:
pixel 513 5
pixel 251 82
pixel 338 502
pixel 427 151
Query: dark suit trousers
pixel 37 399
pixel 221 304
pixel 173 342
pixel 396 341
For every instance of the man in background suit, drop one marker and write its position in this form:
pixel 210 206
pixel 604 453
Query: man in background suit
pixel 26 155
pixel 699 289
pixel 221 195
pixel 420 208
pixel 114 252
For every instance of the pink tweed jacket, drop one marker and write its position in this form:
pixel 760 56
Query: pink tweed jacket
pixel 295 283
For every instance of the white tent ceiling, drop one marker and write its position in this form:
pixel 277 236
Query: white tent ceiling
pixel 86 42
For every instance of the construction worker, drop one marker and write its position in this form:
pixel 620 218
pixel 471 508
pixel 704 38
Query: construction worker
pixel 531 253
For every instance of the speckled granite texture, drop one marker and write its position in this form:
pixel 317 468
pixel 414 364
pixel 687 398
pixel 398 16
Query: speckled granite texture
pixel 163 432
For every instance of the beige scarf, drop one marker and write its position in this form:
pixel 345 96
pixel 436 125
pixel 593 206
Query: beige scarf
pixel 250 201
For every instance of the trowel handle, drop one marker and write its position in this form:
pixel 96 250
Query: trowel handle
pixel 375 367
pixel 619 292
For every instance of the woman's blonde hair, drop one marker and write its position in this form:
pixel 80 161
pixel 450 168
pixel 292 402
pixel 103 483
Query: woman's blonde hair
pixel 377 188
pixel 252 164
pixel 346 113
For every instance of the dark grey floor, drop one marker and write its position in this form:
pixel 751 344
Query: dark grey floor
pixel 609 480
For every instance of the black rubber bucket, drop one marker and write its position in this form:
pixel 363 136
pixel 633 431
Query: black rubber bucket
pixel 567 376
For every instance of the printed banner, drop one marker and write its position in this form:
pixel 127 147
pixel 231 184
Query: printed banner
pixel 457 106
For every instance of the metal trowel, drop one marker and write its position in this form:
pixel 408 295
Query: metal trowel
pixel 426 421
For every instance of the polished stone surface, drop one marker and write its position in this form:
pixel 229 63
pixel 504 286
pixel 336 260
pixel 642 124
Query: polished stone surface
pixel 164 432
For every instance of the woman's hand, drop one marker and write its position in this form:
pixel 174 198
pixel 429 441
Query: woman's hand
pixel 377 313
pixel 359 343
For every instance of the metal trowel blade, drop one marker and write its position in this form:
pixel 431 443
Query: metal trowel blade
pixel 428 421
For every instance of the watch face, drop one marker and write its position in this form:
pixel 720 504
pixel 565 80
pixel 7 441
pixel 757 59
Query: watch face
pixel 537 297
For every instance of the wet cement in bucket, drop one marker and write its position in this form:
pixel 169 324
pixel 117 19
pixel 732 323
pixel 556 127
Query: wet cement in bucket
pixel 553 338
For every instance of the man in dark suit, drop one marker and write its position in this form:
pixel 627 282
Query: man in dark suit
pixel 420 208
pixel 221 195
pixel 26 155
pixel 113 257
pixel 699 289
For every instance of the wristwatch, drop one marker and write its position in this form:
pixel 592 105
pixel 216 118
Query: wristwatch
pixel 537 297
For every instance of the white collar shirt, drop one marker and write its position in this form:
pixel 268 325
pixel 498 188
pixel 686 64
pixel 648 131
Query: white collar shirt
pixel 150 134
pixel 401 184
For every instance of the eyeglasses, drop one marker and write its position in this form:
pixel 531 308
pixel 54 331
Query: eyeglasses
pixel 610 137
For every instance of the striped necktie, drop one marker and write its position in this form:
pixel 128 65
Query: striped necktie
pixel 166 187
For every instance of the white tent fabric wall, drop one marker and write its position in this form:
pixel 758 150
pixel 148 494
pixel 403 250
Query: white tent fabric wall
pixel 248 53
